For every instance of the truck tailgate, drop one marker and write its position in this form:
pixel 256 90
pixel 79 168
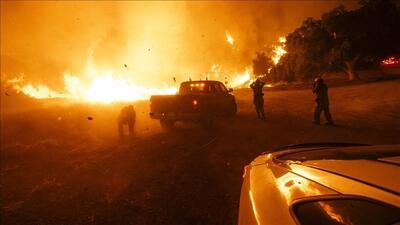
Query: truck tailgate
pixel 177 103
pixel 164 103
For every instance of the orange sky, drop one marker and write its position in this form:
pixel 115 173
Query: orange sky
pixel 156 40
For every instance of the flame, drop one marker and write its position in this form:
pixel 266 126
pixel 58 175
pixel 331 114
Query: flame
pixel 110 89
pixel 241 79
pixel 279 50
pixel 234 80
pixel 39 91
pixel 216 71
pixel 229 38
pixel 105 88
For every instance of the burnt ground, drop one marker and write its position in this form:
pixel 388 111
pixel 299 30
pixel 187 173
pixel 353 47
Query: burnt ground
pixel 58 167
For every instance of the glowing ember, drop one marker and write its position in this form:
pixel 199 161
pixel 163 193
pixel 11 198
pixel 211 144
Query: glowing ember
pixel 279 50
pixel 229 38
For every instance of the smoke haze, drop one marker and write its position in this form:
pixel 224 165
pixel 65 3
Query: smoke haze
pixel 145 42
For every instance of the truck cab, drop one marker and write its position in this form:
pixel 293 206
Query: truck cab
pixel 196 101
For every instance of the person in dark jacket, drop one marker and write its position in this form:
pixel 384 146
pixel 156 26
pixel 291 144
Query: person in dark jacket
pixel 258 97
pixel 320 91
pixel 127 116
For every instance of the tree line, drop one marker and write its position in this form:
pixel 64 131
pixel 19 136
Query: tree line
pixel 342 40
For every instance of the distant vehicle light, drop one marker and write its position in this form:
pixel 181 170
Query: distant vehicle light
pixel 194 102
pixel 391 61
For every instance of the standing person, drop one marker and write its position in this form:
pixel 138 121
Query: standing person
pixel 127 116
pixel 258 97
pixel 320 91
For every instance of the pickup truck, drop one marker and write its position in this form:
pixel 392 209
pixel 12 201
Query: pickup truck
pixel 196 101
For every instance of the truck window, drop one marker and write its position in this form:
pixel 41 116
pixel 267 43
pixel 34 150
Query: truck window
pixel 196 87
pixel 220 88
pixel 202 87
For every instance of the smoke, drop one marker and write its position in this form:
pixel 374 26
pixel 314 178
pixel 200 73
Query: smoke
pixel 145 42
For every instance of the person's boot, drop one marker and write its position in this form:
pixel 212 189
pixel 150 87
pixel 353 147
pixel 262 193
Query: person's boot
pixel 330 123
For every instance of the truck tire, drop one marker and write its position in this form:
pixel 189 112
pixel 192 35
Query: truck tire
pixel 232 110
pixel 167 124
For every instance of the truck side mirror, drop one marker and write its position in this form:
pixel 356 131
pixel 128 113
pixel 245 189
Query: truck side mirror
pixel 230 90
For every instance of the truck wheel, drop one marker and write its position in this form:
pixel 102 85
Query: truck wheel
pixel 233 110
pixel 167 124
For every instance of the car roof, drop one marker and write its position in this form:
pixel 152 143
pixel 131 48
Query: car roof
pixel 367 170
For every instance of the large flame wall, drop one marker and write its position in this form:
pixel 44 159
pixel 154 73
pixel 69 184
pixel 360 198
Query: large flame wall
pixel 119 50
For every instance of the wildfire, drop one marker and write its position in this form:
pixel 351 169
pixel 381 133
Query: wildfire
pixel 109 89
pixel 279 50
pixel 240 80
pixel 106 88
pixel 229 38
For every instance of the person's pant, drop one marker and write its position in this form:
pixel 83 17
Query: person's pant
pixel 260 111
pixel 131 126
pixel 317 112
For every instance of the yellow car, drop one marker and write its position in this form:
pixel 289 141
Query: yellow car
pixel 323 183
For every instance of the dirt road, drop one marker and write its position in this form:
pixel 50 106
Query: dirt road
pixel 57 167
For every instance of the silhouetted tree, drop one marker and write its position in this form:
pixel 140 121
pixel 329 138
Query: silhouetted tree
pixel 307 48
pixel 261 64
pixel 369 32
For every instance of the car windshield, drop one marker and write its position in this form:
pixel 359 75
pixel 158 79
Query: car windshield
pixel 346 212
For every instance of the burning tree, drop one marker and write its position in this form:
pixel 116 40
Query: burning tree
pixel 307 47
pixel 261 64
pixel 341 40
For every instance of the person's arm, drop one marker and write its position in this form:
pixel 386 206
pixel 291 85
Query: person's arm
pixel 252 85
pixel 316 88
